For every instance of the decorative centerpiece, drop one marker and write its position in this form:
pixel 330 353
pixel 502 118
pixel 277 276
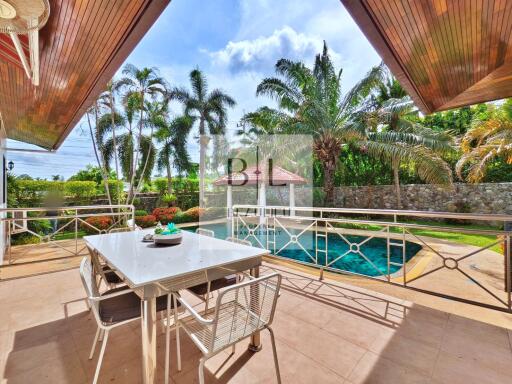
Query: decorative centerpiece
pixel 169 235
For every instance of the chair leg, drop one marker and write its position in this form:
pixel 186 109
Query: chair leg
pixel 201 369
pixel 176 325
pixel 102 333
pixel 100 359
pixel 96 337
pixel 274 350
pixel 167 339
pixel 207 297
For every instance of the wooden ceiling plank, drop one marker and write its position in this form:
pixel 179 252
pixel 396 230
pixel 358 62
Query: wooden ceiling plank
pixel 70 72
pixel 386 26
pixel 113 33
pixel 138 28
pixel 419 48
pixel 435 74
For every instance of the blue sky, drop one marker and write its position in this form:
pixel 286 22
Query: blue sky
pixel 236 43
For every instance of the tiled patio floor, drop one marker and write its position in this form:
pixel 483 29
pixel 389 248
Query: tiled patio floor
pixel 326 333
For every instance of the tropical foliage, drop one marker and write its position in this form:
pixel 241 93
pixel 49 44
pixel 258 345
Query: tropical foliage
pixel 485 143
pixel 209 110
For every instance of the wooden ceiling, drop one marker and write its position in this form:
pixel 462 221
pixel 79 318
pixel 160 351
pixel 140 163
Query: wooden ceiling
pixel 81 47
pixel 445 53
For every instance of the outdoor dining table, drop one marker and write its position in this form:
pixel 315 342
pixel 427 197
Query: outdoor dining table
pixel 153 270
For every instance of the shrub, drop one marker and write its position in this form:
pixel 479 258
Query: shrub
pixel 194 212
pixel 80 189
pixel 160 185
pixel 182 217
pixel 165 215
pixel 141 212
pixel 169 199
pixel 116 189
pixel 99 222
pixel 145 221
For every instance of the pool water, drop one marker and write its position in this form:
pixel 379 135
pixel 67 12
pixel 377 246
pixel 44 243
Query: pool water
pixel 374 249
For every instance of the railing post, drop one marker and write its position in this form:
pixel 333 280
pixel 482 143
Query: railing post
pixel 508 276
pixel 76 231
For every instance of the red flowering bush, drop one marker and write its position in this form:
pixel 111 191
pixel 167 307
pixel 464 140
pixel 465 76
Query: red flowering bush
pixel 194 213
pixel 145 221
pixel 94 224
pixel 165 215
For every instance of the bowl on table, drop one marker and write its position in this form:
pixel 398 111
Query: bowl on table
pixel 171 239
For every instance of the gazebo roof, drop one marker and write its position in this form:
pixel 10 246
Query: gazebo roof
pixel 255 176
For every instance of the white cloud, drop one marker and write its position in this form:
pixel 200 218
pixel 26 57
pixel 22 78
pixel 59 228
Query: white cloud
pixel 261 54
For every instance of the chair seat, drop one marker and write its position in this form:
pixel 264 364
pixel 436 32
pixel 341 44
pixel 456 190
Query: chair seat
pixel 233 325
pixel 125 307
pixel 111 276
pixel 202 289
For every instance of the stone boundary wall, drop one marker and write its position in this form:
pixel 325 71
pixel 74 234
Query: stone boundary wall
pixel 475 198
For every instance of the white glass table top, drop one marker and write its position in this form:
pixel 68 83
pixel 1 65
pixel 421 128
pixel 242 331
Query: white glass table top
pixel 144 263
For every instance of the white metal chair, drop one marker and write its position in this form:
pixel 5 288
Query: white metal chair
pixel 102 271
pixel 203 291
pixel 114 308
pixel 240 311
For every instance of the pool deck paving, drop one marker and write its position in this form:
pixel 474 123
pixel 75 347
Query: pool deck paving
pixel 327 332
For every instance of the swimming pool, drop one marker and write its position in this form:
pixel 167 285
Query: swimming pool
pixel 374 249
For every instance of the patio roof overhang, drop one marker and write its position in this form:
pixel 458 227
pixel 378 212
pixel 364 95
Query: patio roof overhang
pixel 82 45
pixel 446 54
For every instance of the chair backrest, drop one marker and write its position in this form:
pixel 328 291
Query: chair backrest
pixel 89 282
pixel 239 241
pixel 97 268
pixel 205 232
pixel 243 309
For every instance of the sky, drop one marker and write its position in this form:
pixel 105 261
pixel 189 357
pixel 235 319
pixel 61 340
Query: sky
pixel 236 43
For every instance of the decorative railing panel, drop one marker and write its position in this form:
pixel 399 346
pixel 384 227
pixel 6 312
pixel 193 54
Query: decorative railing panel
pixel 40 234
pixel 430 252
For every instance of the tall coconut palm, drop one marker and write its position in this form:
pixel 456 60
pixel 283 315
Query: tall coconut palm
pixel 108 100
pixel 142 86
pixel 135 150
pixel 209 110
pixel 486 142
pixel 316 106
pixel 396 135
pixel 173 153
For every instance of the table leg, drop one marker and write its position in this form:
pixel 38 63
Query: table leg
pixel 255 344
pixel 148 323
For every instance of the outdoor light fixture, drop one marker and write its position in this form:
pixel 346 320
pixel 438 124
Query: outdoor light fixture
pixel 10 165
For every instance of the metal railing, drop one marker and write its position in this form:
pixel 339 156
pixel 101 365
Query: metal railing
pixel 41 234
pixel 470 264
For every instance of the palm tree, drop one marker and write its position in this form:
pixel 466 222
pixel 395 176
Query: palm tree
pixel 134 149
pixel 209 110
pixel 108 100
pixel 143 85
pixel 314 105
pixel 396 136
pixel 173 153
pixel 486 142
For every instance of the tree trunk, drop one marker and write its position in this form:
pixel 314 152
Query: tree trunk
pixel 131 196
pixel 203 142
pixel 329 168
pixel 169 178
pixel 114 140
pixel 396 182
pixel 101 161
